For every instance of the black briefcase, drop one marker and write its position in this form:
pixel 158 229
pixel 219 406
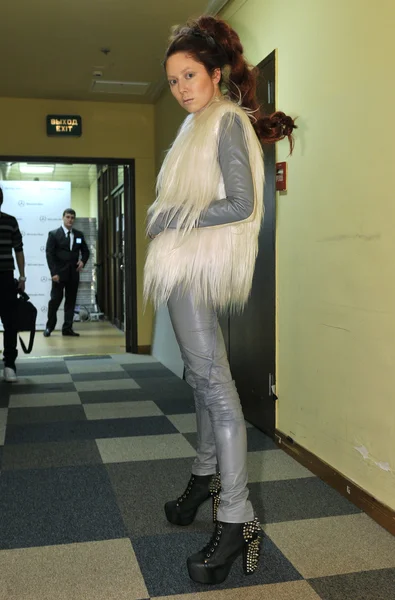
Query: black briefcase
pixel 26 319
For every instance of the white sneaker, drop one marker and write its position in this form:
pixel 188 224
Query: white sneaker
pixel 10 375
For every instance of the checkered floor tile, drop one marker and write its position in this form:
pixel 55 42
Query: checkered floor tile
pixel 92 447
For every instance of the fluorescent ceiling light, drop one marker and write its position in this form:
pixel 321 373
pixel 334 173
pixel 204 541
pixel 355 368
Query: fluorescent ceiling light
pixel 138 88
pixel 36 169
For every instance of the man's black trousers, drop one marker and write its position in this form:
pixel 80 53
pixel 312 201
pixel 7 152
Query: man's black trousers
pixel 8 316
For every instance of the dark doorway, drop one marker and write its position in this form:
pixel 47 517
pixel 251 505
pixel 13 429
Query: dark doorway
pixel 250 337
pixel 115 266
pixel 116 249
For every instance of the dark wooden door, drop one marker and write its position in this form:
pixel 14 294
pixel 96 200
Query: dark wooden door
pixel 117 250
pixel 250 337
pixel 118 203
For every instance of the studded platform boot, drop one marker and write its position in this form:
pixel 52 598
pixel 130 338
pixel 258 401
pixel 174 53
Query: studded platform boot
pixel 212 564
pixel 199 489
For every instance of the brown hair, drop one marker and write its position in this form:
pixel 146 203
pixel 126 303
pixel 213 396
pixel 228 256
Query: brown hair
pixel 215 44
pixel 69 211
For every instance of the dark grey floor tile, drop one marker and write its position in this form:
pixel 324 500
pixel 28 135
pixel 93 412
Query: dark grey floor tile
pixel 256 440
pixel 52 454
pixel 142 488
pixel 146 367
pixel 47 414
pixel 162 560
pixel 113 396
pixel 366 585
pixel 27 369
pixel 110 375
pixel 87 357
pixel 43 388
pixel 166 388
pixel 5 393
pixel 88 430
pixel 192 438
pixel 177 406
pixel 43 507
pixel 296 499
pixel 153 370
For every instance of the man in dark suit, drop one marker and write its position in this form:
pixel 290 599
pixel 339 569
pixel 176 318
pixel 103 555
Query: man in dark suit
pixel 67 255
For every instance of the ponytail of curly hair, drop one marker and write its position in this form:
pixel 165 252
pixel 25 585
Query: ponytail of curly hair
pixel 215 44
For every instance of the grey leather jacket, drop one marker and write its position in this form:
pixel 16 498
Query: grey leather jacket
pixel 234 162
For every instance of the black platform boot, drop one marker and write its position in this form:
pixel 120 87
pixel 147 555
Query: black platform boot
pixel 212 564
pixel 200 488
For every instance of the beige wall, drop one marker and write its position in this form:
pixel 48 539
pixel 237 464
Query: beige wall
pixel 335 240
pixel 110 130
pixel 168 117
pixel 80 201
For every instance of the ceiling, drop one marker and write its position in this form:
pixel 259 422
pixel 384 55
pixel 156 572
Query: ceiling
pixel 52 49
pixel 81 176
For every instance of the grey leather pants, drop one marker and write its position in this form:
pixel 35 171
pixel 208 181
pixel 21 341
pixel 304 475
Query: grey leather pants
pixel 220 422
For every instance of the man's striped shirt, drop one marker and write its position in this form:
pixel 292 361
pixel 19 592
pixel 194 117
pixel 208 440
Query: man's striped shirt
pixel 10 238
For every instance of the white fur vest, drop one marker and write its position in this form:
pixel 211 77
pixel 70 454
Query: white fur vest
pixel 215 263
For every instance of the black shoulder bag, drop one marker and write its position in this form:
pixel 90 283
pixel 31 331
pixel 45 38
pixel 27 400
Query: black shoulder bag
pixel 26 319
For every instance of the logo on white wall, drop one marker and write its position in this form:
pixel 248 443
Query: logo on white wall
pixel 38 207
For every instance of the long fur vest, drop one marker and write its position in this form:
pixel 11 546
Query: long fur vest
pixel 215 263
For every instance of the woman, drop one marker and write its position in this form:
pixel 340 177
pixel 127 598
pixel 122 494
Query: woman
pixel 204 227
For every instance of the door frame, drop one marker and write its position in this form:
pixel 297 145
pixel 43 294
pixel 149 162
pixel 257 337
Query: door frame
pixel 130 228
pixel 263 416
pixel 272 149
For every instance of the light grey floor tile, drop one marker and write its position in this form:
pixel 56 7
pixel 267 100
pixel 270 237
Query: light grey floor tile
pixel 150 447
pixel 105 570
pixel 274 465
pixel 56 399
pixel 184 423
pixel 42 379
pixel 122 410
pixel 290 590
pixel 107 384
pixel 3 423
pixel 334 545
pixel 25 360
pixel 93 366
pixel 124 359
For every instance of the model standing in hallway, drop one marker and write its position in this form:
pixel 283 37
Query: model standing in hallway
pixel 204 227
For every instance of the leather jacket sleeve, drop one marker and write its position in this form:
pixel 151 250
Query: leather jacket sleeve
pixel 51 253
pixel 234 162
pixel 84 250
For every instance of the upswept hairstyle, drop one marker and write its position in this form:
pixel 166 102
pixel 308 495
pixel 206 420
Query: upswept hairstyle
pixel 215 44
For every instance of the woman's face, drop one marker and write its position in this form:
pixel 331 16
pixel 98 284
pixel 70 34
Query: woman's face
pixel 190 84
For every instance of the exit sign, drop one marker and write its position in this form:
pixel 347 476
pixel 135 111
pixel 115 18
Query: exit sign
pixel 64 125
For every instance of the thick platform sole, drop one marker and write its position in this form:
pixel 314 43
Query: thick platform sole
pixel 177 518
pixel 209 575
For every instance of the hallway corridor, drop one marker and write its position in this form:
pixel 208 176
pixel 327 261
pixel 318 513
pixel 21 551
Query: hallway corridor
pixel 92 447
